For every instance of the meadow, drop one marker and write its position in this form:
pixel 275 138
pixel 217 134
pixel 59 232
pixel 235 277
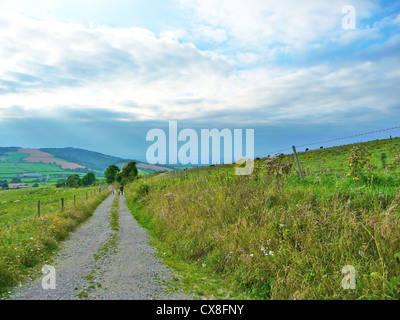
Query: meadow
pixel 27 241
pixel 274 235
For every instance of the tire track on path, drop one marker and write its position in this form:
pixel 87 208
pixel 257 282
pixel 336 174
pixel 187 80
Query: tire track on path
pixel 129 271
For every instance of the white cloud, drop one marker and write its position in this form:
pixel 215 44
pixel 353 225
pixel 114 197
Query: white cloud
pixel 208 33
pixel 47 67
pixel 266 24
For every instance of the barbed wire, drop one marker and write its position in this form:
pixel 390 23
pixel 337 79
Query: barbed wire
pixel 330 140
pixel 274 152
pixel 348 137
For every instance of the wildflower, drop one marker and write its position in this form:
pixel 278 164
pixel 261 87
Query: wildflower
pixel 252 255
pixel 348 175
pixel 355 179
pixel 204 265
pixel 361 253
pixel 271 253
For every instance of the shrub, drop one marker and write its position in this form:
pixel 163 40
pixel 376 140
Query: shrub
pixel 359 157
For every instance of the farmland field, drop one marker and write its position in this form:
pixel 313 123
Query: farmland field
pixel 275 235
pixel 35 167
pixel 13 165
pixel 6 168
pixel 14 157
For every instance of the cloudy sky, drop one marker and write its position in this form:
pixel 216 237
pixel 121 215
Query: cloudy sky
pixel 98 74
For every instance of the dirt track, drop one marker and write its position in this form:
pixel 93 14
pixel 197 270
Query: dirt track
pixel 127 269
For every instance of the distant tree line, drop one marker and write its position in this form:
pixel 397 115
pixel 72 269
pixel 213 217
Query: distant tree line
pixel 128 173
pixel 75 181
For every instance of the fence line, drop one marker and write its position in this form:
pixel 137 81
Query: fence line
pixel 330 140
pixel 317 162
pixel 65 202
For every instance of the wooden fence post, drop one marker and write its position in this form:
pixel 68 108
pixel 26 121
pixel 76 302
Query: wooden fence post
pixel 62 203
pixel 38 209
pixel 297 161
pixel 74 199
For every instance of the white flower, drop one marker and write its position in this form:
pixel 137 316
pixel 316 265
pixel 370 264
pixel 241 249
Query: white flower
pixel 204 265
pixel 252 255
pixel 271 253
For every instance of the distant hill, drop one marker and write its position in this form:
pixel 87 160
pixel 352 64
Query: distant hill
pixel 57 163
pixel 97 160
pixel 88 159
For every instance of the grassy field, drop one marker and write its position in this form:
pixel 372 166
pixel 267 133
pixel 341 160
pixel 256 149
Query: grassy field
pixel 6 168
pixel 39 167
pixel 273 235
pixel 14 157
pixel 25 240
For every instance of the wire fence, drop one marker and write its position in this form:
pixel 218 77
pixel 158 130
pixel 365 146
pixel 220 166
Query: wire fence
pixel 40 205
pixel 308 165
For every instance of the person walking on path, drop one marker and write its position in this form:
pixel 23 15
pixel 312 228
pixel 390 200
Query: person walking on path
pixel 112 190
pixel 121 190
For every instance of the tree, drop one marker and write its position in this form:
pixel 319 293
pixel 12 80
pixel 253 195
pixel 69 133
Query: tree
pixel 88 179
pixel 118 177
pixel 73 181
pixel 111 173
pixel 16 180
pixel 60 184
pixel 130 172
pixel 3 184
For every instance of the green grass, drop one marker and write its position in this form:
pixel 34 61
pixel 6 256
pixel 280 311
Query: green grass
pixel 143 172
pixel 114 215
pixel 6 168
pixel 273 235
pixel 25 240
pixel 39 167
pixel 15 156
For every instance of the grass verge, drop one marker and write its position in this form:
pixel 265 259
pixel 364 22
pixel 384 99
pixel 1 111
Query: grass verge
pixel 273 235
pixel 25 245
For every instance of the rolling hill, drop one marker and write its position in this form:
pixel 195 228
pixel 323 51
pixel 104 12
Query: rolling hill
pixel 52 164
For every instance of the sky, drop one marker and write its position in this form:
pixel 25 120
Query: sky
pixel 99 74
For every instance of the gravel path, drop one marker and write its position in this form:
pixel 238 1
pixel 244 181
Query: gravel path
pixel 99 263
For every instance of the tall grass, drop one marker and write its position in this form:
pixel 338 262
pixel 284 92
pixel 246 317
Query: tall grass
pixel 280 237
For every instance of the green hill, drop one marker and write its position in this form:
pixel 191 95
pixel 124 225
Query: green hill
pixel 89 159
